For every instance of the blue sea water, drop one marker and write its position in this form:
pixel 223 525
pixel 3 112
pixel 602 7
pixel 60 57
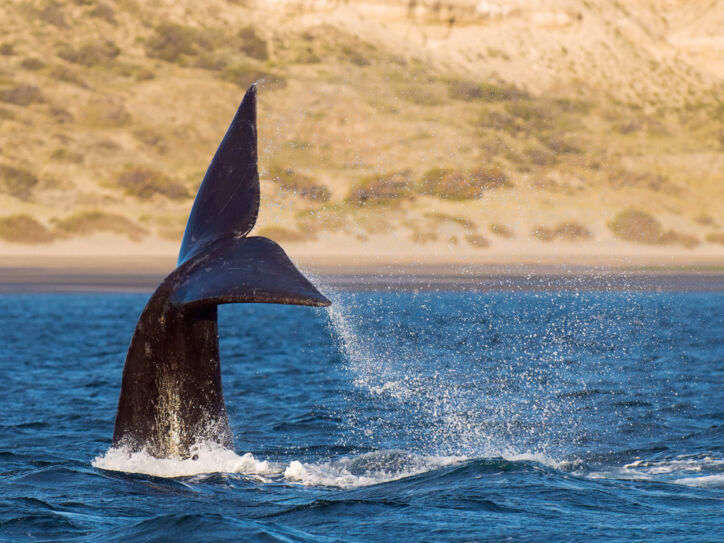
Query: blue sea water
pixel 407 416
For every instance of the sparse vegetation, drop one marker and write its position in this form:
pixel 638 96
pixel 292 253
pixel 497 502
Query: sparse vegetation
pixel 100 53
pixel 23 229
pixel 144 183
pixel 173 41
pixel 477 240
pixel 22 95
pixel 501 230
pixel 301 185
pixel 640 227
pixel 252 45
pixel 85 223
pixel 489 92
pixel 457 185
pixel 385 190
pixel 17 182
pixel 440 218
pixel 106 112
pixel 569 231
pixel 715 237
pixel 33 64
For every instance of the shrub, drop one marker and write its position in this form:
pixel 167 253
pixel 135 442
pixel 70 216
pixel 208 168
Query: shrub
pixel 640 227
pixel 477 240
pixel 144 182
pixel 636 226
pixel 715 237
pixel 300 184
pixel 23 229
pixel 17 182
pixel 501 230
pixel 252 45
pixel 490 92
pixel 105 12
pixel 53 14
pixel 570 231
pixel 535 115
pixel 33 64
pixel 91 54
pixel 87 222
pixel 438 218
pixel 455 185
pixel 672 237
pixel 172 41
pixel 385 189
pixel 423 237
pixel 22 95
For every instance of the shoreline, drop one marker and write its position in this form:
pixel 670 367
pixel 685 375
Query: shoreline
pixel 143 274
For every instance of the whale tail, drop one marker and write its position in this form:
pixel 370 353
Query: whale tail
pixel 171 392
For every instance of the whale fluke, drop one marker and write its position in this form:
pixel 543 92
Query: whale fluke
pixel 227 203
pixel 171 394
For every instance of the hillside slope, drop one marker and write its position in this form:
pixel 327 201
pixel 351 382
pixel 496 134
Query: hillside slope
pixel 398 129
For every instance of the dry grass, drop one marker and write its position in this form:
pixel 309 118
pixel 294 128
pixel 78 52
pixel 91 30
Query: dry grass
pixel 142 182
pixel 23 229
pixel 715 237
pixel 85 223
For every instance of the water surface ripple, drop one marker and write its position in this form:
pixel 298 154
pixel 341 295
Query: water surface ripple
pixel 407 416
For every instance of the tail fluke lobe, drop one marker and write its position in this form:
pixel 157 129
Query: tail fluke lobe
pixel 243 270
pixel 227 203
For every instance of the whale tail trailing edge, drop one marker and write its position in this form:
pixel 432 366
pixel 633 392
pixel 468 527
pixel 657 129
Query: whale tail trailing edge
pixel 171 394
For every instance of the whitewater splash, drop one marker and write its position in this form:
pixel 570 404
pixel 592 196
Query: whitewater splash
pixel 345 472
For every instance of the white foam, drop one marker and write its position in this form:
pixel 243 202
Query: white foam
pixel 671 470
pixel 206 458
pixel 366 469
pixel 345 472
pixel 707 481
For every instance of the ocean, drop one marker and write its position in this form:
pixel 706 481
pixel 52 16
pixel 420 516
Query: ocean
pixel 415 415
